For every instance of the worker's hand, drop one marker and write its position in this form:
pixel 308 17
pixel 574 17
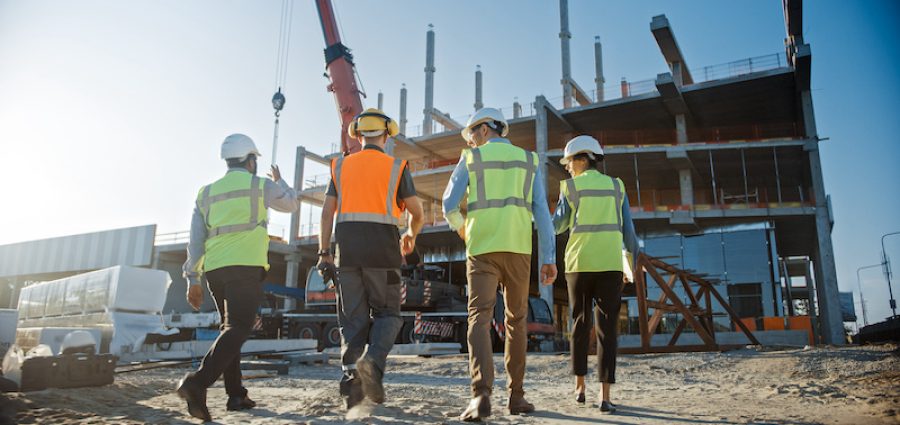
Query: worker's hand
pixel 548 274
pixel 407 243
pixel 325 259
pixel 195 296
pixel 275 173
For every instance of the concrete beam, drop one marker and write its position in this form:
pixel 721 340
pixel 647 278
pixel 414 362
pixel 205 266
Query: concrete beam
pixel 665 38
pixel 445 119
pixel 671 95
pixel 730 213
pixel 541 104
pixel 415 146
pixel 433 171
pixel 803 67
pixel 629 150
pixel 581 96
pixel 324 160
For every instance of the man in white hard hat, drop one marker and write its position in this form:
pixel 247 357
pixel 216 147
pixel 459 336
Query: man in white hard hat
pixel 594 208
pixel 229 244
pixel 368 192
pixel 506 192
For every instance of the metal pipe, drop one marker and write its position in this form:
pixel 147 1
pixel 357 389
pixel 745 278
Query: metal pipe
pixel 564 37
pixel 380 101
pixel 517 108
pixel 861 299
pixel 403 109
pixel 598 68
pixel 478 103
pixel 777 174
pixel 887 273
pixel 744 169
pixel 712 170
pixel 429 81
pixel 637 180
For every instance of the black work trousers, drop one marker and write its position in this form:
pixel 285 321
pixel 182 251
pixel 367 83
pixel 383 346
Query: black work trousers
pixel 604 289
pixel 237 291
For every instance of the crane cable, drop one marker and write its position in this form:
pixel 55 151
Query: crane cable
pixel 281 64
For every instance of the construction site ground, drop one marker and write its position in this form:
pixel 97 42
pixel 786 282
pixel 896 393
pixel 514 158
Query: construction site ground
pixel 848 385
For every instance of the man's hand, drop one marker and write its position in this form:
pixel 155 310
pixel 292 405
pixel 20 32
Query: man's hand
pixel 275 173
pixel 327 270
pixel 548 274
pixel 407 243
pixel 195 296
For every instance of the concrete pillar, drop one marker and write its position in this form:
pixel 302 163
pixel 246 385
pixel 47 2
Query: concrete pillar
pixel 403 109
pixel 380 101
pixel 826 273
pixel 293 260
pixel 478 103
pixel 541 135
pixel 427 127
pixel 685 178
pixel 564 37
pixel 598 65
pixel 677 73
pixel 517 108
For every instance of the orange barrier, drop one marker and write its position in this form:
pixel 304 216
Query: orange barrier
pixel 773 323
pixel 750 323
pixel 798 323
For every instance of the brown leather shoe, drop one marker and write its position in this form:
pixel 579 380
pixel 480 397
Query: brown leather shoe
pixel 518 404
pixel 479 408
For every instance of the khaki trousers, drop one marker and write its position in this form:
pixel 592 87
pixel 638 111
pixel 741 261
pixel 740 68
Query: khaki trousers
pixel 511 273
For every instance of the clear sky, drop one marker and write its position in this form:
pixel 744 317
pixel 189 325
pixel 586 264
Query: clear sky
pixel 111 113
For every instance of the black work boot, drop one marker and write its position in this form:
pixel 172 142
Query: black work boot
pixel 240 402
pixel 195 396
pixel 351 389
pixel 371 376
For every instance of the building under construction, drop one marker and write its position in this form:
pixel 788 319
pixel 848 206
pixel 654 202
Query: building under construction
pixel 721 166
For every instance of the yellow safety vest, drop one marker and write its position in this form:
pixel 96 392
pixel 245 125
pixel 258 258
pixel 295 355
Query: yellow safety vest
pixel 595 224
pixel 234 211
pixel 499 199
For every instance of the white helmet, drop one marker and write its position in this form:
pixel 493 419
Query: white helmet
pixel 582 144
pixel 78 342
pixel 489 116
pixel 238 146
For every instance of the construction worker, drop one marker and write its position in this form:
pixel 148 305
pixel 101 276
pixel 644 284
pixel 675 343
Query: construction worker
pixel 229 245
pixel 505 191
pixel 594 208
pixel 368 192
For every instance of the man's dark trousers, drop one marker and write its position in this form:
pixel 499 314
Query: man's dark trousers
pixel 237 291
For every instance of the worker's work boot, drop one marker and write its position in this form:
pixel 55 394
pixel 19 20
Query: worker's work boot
pixel 517 404
pixel 240 402
pixel 351 389
pixel 195 396
pixel 478 409
pixel 371 376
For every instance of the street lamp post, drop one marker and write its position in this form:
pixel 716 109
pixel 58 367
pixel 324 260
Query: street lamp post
pixel 887 273
pixel 861 299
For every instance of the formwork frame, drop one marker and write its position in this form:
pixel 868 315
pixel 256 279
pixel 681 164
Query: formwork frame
pixel 697 312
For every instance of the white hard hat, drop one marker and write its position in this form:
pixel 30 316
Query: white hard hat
pixel 238 146
pixel 485 115
pixel 78 341
pixel 581 144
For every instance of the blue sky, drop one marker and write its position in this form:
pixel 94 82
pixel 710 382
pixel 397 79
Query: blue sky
pixel 112 112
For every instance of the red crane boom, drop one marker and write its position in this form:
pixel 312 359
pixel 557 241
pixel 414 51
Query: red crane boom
pixel 340 72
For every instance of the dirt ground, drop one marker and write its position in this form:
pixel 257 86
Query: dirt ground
pixel 850 385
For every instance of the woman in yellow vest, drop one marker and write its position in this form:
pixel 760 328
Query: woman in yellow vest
pixel 594 208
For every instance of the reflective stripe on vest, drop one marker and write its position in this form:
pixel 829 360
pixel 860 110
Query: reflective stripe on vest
pixel 577 195
pixel 500 190
pixel 595 223
pixel 478 166
pixel 389 217
pixel 253 194
pixel 234 212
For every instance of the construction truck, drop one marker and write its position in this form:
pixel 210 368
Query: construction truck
pixel 432 311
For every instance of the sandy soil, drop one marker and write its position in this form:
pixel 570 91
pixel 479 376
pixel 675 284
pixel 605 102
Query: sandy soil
pixel 853 385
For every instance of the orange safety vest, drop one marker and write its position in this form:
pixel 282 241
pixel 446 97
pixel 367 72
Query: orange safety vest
pixel 367 184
